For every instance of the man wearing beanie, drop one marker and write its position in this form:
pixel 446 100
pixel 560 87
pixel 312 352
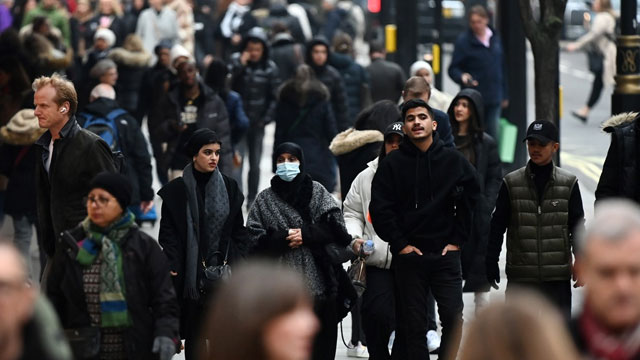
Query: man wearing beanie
pixel 422 200
pixel 256 78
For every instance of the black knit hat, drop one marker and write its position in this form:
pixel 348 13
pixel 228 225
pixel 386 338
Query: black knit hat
pixel 200 138
pixel 115 184
pixel 291 148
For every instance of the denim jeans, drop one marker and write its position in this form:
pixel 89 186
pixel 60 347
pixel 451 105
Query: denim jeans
pixel 23 231
pixel 252 144
pixel 415 275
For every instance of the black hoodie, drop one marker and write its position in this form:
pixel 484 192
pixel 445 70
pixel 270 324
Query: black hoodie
pixel 330 77
pixel 257 82
pixel 424 199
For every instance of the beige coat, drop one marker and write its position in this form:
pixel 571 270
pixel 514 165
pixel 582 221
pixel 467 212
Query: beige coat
pixel 603 23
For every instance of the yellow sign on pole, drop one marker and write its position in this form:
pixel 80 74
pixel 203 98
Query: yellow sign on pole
pixel 391 34
pixel 560 102
pixel 435 63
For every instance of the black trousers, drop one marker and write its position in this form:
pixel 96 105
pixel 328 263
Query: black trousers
pixel 324 345
pixel 415 275
pixel 596 89
pixel 556 292
pixel 378 312
pixel 193 313
pixel 357 332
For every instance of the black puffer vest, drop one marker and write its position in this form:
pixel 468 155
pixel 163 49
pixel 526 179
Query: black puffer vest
pixel 538 247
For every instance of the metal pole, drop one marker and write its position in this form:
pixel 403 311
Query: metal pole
pixel 438 43
pixel 510 25
pixel 407 22
pixel 626 95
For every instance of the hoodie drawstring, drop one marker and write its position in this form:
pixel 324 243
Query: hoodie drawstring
pixel 415 188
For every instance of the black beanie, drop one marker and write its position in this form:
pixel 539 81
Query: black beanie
pixel 200 138
pixel 115 184
pixel 291 148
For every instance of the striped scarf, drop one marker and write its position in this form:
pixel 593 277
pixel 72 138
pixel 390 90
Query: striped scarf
pixel 106 243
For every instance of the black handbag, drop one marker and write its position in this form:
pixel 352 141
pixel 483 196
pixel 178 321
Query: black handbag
pixel 84 342
pixel 213 275
pixel 596 61
pixel 358 274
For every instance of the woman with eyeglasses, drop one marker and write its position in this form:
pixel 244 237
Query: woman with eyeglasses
pixel 201 226
pixel 293 221
pixel 110 283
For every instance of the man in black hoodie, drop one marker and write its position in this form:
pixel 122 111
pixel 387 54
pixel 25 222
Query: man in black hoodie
pixel 422 201
pixel 318 58
pixel 256 79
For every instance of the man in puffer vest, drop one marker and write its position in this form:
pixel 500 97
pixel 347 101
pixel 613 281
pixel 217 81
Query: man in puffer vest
pixel 540 207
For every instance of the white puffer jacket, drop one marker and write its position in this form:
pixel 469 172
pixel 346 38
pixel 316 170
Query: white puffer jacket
pixel 357 219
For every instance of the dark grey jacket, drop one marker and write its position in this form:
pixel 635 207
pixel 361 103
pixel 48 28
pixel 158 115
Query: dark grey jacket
pixel 78 156
pixel 212 115
pixel 257 83
pixel 538 241
pixel 387 80
pixel 620 171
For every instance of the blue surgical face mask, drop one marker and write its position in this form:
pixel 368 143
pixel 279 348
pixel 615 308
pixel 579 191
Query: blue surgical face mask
pixel 288 171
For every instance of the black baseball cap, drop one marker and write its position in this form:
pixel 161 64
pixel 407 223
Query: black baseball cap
pixel 543 131
pixel 394 128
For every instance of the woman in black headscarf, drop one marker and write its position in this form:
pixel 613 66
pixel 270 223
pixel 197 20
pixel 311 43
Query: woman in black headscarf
pixel 466 114
pixel 293 221
pixel 201 221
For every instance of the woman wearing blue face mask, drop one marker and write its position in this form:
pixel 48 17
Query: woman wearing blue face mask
pixel 293 221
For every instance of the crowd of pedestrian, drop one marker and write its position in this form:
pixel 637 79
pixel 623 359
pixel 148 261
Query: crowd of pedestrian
pixel 369 167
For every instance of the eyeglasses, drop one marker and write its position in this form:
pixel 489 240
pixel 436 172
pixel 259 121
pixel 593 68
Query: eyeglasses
pixel 98 200
pixel 8 288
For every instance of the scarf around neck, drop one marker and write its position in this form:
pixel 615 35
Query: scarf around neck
pixel 604 345
pixel 106 243
pixel 216 211
pixel 296 193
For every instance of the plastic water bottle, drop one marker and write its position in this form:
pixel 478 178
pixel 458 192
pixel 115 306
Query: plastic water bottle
pixel 368 247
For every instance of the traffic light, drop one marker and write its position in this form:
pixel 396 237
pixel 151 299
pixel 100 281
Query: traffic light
pixel 374 6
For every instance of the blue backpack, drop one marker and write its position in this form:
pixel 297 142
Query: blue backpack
pixel 107 128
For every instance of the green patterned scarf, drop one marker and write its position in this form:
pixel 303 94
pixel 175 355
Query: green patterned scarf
pixel 106 243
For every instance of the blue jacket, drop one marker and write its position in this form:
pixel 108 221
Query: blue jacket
pixel 484 64
pixel 444 128
pixel 354 77
pixel 237 118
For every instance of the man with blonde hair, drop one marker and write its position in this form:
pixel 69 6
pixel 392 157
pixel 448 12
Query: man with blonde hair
pixel 70 158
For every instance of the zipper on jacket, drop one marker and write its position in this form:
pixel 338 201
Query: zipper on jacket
pixel 539 200
pixel 415 187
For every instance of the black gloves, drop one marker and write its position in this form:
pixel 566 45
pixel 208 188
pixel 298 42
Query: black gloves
pixel 493 273
pixel 164 347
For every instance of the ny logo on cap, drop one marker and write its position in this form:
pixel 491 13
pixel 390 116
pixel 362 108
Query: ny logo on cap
pixel 397 127
pixel 537 127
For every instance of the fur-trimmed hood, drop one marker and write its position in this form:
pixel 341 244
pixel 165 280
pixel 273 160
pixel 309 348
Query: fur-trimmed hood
pixel 618 120
pixel 311 92
pixel 351 139
pixel 130 58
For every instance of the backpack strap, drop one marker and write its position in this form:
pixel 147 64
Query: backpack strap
pixel 112 116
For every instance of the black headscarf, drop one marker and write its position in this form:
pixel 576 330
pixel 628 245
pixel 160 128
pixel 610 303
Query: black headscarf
pixel 296 193
pixel 200 138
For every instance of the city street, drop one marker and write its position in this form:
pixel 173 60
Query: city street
pixel 583 150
